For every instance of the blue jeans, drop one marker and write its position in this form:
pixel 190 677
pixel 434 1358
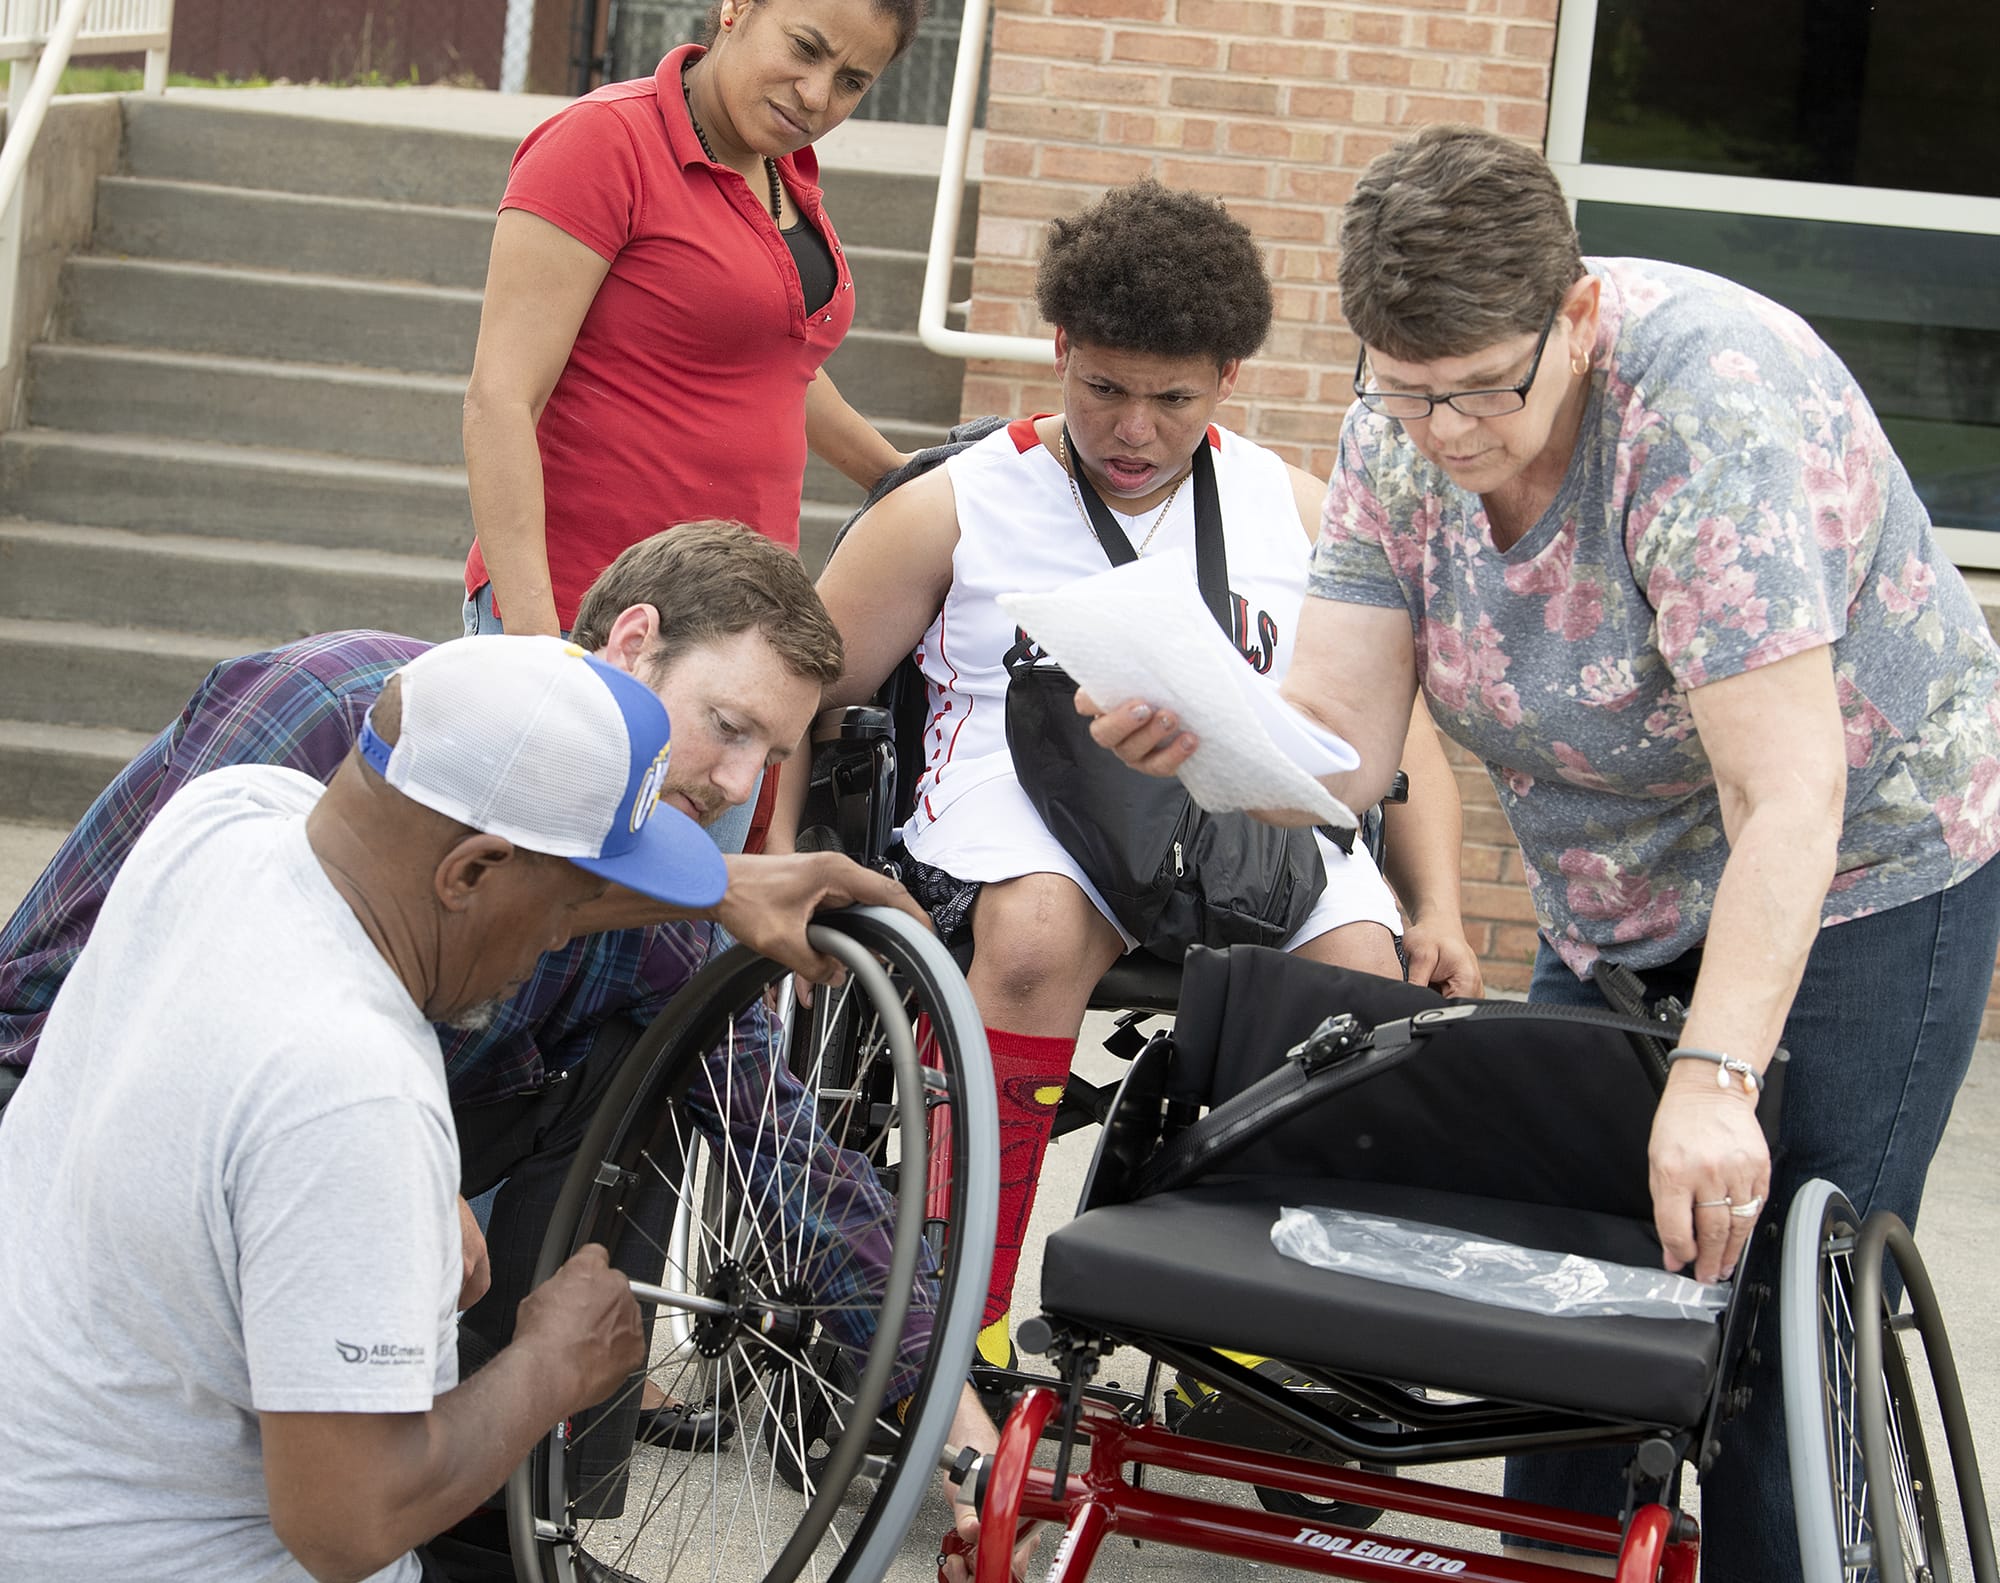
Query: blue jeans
pixel 480 621
pixel 1880 1034
pixel 729 831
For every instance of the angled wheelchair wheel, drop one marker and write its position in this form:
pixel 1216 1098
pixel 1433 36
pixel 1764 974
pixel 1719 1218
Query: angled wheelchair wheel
pixel 817 1322
pixel 839 1048
pixel 1868 1503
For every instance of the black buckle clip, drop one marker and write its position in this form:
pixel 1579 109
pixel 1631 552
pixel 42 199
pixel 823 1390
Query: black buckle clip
pixel 1337 1039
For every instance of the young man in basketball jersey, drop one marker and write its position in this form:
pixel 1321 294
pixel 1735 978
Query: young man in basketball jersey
pixel 1157 298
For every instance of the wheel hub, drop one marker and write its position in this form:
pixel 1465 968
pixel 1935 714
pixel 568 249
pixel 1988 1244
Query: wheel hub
pixel 783 1323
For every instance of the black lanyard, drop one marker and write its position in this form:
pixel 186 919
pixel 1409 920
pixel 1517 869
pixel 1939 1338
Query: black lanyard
pixel 1211 561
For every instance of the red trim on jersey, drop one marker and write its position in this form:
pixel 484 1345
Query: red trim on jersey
pixel 951 746
pixel 1022 432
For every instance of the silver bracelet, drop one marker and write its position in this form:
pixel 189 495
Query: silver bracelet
pixel 1729 1070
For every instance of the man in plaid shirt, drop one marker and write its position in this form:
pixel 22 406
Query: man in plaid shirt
pixel 726 628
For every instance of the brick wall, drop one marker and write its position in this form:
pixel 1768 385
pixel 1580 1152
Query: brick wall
pixel 1275 107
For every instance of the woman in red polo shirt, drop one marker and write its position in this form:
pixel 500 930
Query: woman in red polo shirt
pixel 664 286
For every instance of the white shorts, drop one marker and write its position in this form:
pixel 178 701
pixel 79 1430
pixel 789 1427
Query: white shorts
pixel 991 832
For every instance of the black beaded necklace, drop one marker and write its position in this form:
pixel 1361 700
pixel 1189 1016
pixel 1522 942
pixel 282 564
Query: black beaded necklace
pixel 770 164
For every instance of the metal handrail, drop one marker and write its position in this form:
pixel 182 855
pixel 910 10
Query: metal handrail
pixel 23 128
pixel 931 328
pixel 25 114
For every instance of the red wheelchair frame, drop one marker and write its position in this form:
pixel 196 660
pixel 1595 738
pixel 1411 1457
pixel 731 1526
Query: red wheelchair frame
pixel 1101 1501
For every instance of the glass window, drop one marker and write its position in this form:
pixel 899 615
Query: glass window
pixel 1901 95
pixel 1914 314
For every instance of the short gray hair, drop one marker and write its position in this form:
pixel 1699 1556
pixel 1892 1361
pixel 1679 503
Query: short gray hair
pixel 1454 239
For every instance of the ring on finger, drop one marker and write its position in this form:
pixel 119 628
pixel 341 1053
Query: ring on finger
pixel 1747 1208
pixel 1715 1203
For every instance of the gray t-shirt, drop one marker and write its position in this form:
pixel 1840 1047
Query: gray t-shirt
pixel 227 1185
pixel 1732 501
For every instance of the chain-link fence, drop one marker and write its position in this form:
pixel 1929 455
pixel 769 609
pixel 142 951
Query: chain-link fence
pixel 516 41
pixel 917 88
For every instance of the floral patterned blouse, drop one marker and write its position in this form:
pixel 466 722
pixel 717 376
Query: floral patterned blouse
pixel 1732 501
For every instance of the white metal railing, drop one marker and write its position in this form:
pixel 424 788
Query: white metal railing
pixel 37 39
pixel 931 328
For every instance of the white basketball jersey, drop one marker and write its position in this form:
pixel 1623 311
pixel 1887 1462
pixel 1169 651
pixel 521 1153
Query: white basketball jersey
pixel 1020 529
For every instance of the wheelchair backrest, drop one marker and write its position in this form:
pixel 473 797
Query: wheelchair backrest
pixel 1556 1112
pixel 903 695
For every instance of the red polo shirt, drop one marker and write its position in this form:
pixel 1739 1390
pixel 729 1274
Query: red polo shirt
pixel 684 395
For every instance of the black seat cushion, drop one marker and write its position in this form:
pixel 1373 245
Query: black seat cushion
pixel 1197 1266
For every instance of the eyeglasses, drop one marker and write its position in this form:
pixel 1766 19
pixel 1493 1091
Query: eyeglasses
pixel 1410 406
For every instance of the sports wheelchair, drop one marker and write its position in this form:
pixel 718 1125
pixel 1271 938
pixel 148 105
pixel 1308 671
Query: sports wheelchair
pixel 1526 1125
pixel 797 1291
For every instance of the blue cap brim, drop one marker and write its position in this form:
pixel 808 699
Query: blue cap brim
pixel 674 861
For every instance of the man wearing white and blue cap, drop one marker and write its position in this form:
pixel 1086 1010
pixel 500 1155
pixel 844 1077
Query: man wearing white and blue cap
pixel 229 1246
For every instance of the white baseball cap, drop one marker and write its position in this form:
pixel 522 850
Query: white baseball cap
pixel 533 740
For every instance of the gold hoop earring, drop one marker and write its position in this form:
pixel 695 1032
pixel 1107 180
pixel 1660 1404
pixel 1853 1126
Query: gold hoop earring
pixel 1579 365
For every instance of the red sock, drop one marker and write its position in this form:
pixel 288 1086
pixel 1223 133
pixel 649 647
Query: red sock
pixel 1029 1071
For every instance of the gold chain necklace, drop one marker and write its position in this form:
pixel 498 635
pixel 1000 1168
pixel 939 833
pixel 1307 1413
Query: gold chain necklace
pixel 1069 472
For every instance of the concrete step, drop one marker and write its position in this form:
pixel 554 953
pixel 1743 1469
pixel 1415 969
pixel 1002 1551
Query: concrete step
pixel 266 313
pixel 51 774
pixel 246 594
pixel 232 491
pixel 894 209
pixel 890 374
pixel 199 396
pixel 249 147
pixel 889 287
pixel 200 222
pixel 85 674
pixel 828 487
pixel 297 317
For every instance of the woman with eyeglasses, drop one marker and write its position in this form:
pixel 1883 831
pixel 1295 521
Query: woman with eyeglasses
pixel 1636 533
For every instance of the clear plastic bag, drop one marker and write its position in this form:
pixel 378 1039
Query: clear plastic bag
pixel 1458 1264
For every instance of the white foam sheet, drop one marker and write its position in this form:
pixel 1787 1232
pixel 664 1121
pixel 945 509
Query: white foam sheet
pixel 1141 631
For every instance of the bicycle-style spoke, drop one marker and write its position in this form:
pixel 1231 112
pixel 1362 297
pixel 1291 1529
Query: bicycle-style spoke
pixel 769 1171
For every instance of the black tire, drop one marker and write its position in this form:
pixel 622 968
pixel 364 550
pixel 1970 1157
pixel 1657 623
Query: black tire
pixel 802 1365
pixel 1866 1498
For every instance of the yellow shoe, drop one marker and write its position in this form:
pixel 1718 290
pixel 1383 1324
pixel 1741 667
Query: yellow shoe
pixel 996 1345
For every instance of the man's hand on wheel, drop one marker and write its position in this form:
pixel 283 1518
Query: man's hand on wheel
pixel 771 899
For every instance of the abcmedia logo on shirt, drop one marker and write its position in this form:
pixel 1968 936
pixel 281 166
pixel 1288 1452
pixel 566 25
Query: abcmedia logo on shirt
pixel 382 1353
